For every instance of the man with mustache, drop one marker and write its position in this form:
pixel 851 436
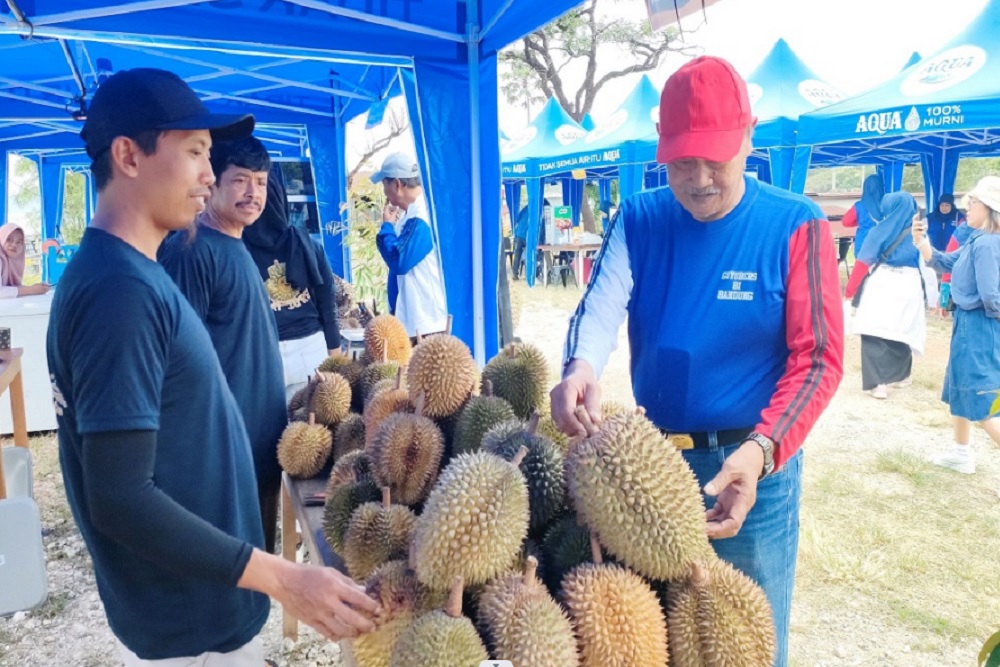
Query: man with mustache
pixel 734 320
pixel 214 270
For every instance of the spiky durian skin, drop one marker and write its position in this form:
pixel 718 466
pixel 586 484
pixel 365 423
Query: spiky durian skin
pixel 386 338
pixel 334 363
pixel 520 375
pixel 376 535
pixel 473 522
pixel 300 415
pixel 538 633
pixel 543 469
pixel 395 587
pixel 719 618
pixel 332 399
pixel 443 370
pixel 351 370
pixel 349 436
pixel 496 603
pixel 377 388
pixel 503 432
pixel 616 616
pixel 639 495
pixel 381 406
pixel 352 467
pixel 376 372
pixel 547 427
pixel 479 415
pixel 304 449
pixel 406 456
pixel 438 640
pixel 566 545
pixel 339 507
pixel 375 648
pixel 612 408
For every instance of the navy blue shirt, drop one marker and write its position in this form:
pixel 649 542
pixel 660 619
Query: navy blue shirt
pixel 128 353
pixel 220 280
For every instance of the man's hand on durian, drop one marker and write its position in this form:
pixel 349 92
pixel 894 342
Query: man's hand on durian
pixel 579 387
pixel 735 491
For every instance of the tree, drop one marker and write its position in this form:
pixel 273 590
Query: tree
pixel 27 196
pixel 562 59
pixel 397 123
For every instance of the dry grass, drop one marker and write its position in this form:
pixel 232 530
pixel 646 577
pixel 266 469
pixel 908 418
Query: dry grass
pixel 897 558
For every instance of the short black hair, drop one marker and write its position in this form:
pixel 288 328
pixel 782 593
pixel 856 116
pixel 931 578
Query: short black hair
pixel 100 168
pixel 247 153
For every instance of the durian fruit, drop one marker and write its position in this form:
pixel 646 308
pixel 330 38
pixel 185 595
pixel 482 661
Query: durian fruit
pixel 377 388
pixel 386 339
pixel 442 368
pixel 612 408
pixel 473 522
pixel 382 405
pixel 639 495
pixel 501 433
pixel 547 427
pixel 376 372
pixel 542 468
pixel 520 375
pixel 616 616
pixel 349 436
pixel 376 534
pixel 352 467
pixel 719 618
pixel 566 545
pixel 340 506
pixel 351 370
pixel 304 448
pixel 406 455
pixel 301 399
pixel 524 624
pixel 402 599
pixel 332 399
pixel 335 363
pixel 299 415
pixel 441 638
pixel 480 414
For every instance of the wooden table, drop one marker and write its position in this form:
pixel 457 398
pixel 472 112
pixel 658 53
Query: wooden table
pixel 310 518
pixel 10 379
pixel 577 248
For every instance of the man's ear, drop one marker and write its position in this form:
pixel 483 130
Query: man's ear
pixel 124 156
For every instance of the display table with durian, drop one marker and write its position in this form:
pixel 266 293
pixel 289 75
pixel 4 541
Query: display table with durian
pixel 486 534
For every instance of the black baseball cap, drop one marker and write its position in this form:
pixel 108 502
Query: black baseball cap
pixel 138 100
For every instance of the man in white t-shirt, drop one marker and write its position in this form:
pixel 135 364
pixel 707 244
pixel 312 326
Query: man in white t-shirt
pixel 406 243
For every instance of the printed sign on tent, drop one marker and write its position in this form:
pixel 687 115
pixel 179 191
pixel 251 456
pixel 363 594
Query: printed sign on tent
pixel 665 12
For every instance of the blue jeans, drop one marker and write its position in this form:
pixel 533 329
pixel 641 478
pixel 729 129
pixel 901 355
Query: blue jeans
pixel 766 547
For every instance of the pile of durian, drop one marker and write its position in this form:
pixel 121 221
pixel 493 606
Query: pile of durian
pixel 485 533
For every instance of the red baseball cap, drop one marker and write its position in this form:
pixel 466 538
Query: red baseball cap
pixel 704 112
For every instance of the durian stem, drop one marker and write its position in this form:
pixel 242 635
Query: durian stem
pixel 699 574
pixel 533 423
pixel 386 497
pixel 519 457
pixel 312 418
pixel 411 554
pixel 447 328
pixel 454 608
pixel 595 549
pixel 529 570
pixel 419 338
pixel 641 411
pixel 385 352
pixel 487 389
pixel 420 404
pixel 399 377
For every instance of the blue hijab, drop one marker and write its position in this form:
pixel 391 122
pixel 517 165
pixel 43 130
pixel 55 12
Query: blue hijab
pixel 872 193
pixel 899 209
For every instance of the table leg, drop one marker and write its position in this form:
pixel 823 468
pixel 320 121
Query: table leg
pixel 545 268
pixel 17 411
pixel 289 624
pixel 579 269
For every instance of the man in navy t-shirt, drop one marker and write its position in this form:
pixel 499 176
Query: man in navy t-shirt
pixel 214 270
pixel 735 325
pixel 154 453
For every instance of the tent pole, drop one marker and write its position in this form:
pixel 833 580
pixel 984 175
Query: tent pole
pixel 478 315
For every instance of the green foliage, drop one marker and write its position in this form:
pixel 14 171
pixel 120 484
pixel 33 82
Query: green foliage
pixel 27 196
pixel 74 220
pixel 369 273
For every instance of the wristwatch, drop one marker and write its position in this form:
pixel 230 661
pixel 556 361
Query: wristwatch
pixel 767 446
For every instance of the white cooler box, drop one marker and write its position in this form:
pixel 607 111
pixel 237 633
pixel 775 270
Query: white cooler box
pixel 27 317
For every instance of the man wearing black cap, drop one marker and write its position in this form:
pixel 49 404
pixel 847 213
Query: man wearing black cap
pixel 154 452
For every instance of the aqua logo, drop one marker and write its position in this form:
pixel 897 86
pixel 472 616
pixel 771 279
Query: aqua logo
pixel 944 71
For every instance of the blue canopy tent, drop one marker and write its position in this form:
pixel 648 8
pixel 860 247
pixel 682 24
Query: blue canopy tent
pixel 446 59
pixel 945 106
pixel 781 88
pixel 528 160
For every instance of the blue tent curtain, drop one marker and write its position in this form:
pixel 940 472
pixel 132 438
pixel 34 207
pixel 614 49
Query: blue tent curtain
pixel 512 193
pixel 630 180
pixel 604 187
pixel 3 185
pixel 656 179
pixel 940 170
pixel 326 143
pixel 443 94
pixel 892 175
pixel 536 194
pixel 91 196
pixel 780 160
pixel 53 185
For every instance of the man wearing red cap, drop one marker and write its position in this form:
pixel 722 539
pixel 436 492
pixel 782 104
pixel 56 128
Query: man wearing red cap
pixel 735 324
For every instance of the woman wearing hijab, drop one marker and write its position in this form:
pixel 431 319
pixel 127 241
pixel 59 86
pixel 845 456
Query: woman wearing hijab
pixel 891 318
pixel 299 283
pixel 973 375
pixel 867 212
pixel 941 224
pixel 12 264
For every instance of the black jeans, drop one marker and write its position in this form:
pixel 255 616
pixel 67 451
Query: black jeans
pixel 518 257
